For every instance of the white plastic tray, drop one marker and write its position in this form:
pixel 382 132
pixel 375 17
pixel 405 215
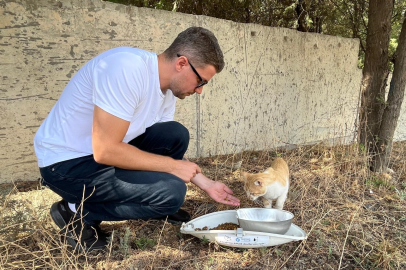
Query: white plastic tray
pixel 238 238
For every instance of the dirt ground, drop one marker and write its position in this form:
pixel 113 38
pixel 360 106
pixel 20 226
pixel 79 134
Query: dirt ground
pixel 354 219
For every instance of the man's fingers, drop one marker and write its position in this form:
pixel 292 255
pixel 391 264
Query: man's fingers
pixel 229 202
pixel 233 199
pixel 187 180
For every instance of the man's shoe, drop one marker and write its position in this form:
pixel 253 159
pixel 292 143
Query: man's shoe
pixel 178 218
pixel 91 237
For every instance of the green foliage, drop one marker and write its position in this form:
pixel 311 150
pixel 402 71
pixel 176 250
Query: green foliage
pixel 125 242
pixel 362 148
pixel 381 100
pixel 376 182
pixel 162 4
pixel 204 240
pixel 346 18
pixel 326 222
pixel 401 194
pixel 144 243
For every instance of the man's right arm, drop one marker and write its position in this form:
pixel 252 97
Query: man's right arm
pixel 108 148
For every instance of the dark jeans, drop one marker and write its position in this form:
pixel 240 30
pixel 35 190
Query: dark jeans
pixel 114 194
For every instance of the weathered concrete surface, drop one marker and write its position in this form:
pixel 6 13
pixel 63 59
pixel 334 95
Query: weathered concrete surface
pixel 279 86
pixel 400 132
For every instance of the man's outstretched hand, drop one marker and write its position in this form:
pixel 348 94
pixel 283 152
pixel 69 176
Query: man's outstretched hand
pixel 222 194
pixel 216 190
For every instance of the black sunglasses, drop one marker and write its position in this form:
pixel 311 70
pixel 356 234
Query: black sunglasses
pixel 203 82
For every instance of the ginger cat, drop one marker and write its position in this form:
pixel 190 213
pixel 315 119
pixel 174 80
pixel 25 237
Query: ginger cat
pixel 272 184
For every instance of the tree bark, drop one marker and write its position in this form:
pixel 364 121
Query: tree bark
pixel 247 11
pixel 394 104
pixel 199 7
pixel 301 16
pixel 374 73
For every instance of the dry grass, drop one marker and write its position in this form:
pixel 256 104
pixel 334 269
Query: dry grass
pixel 355 219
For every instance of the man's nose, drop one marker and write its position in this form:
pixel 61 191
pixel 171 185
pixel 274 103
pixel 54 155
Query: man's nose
pixel 199 90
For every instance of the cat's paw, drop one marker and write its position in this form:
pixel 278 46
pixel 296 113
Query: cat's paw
pixel 268 206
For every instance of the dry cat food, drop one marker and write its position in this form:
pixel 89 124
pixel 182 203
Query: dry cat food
pixel 223 226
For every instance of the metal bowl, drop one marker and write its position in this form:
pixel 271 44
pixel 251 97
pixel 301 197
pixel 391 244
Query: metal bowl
pixel 264 220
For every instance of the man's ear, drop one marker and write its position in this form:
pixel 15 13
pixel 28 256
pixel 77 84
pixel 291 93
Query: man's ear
pixel 181 63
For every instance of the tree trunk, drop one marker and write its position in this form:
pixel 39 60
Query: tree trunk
pixel 301 16
pixel 374 73
pixel 394 104
pixel 199 7
pixel 247 11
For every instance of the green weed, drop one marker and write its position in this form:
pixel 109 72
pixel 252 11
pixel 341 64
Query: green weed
pixel 124 242
pixel 401 194
pixel 144 243
pixel 204 240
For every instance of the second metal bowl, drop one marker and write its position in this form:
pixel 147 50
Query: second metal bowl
pixel 264 220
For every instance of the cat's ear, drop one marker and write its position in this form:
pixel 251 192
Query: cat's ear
pixel 269 170
pixel 244 175
pixel 258 183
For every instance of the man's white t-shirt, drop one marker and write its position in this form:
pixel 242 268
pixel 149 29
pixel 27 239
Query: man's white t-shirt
pixel 122 81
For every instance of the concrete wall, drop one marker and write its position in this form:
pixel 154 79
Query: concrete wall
pixel 279 87
pixel 400 132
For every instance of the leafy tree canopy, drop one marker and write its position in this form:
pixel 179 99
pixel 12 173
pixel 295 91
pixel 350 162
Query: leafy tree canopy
pixel 346 18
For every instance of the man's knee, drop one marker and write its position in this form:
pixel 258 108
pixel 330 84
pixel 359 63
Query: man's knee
pixel 178 132
pixel 177 139
pixel 174 197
